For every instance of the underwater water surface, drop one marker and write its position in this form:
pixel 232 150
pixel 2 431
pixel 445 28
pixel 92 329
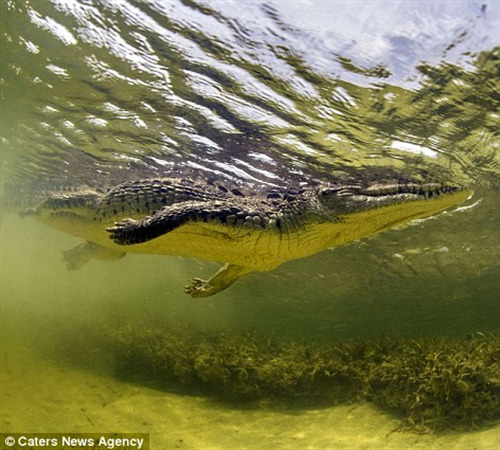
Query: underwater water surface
pixel 254 94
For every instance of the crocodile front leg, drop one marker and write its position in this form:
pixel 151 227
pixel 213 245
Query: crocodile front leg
pixel 224 278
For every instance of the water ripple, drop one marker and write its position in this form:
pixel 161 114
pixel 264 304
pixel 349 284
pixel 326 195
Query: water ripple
pixel 250 90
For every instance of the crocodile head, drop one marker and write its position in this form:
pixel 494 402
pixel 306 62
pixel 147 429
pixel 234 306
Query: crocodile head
pixel 354 198
pixel 384 205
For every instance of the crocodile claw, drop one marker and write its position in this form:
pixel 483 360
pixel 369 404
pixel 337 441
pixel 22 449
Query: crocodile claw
pixel 119 230
pixel 120 226
pixel 196 288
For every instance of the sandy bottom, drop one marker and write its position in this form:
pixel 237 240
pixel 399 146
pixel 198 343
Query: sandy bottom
pixel 43 396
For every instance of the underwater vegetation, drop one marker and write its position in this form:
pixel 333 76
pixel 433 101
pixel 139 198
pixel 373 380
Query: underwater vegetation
pixel 433 383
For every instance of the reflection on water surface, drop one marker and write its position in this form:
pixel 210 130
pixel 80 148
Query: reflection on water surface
pixel 261 92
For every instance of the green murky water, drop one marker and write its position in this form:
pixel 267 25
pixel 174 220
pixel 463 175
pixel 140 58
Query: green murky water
pixel 256 94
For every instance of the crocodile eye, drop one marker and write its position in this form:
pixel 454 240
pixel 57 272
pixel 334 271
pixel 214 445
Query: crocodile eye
pixel 326 191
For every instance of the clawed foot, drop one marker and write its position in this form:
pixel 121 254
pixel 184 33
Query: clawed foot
pixel 197 288
pixel 224 278
pixel 119 226
pixel 118 230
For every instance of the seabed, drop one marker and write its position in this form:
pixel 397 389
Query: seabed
pixel 190 389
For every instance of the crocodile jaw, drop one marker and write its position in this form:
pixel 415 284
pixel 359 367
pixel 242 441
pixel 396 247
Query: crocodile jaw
pixel 366 216
pixel 354 198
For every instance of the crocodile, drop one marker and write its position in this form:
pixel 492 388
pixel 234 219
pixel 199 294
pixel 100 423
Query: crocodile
pixel 245 232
